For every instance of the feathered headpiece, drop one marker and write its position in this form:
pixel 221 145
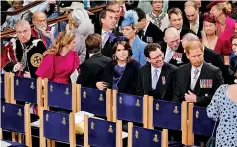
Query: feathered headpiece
pixel 130 18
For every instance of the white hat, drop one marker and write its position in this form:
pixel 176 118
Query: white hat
pixel 75 5
pixel 79 15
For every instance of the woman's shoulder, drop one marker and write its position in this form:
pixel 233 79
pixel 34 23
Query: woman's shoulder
pixel 134 63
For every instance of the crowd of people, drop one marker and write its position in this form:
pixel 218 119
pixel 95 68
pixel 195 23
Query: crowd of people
pixel 187 52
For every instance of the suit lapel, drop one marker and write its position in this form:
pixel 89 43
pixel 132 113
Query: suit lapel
pixel 147 79
pixel 187 75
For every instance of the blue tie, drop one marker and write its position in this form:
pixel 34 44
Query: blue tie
pixel 155 79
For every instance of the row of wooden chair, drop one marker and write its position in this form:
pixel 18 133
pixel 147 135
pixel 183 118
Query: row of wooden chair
pixel 116 107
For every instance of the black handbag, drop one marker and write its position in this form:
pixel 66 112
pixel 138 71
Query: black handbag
pixel 212 141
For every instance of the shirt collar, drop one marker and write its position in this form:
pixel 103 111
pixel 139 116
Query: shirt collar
pixel 155 14
pixel 153 69
pixel 199 68
pixel 103 31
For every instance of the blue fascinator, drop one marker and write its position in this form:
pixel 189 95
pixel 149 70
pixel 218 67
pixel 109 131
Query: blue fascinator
pixel 130 18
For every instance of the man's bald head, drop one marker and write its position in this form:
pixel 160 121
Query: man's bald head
pixel 171 32
pixel 23 31
pixel 172 38
pixel 189 37
pixel 39 20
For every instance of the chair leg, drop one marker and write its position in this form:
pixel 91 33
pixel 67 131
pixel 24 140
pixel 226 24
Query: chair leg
pixel 1 137
pixel 13 136
pixel 19 137
pixel 49 143
pixel 53 143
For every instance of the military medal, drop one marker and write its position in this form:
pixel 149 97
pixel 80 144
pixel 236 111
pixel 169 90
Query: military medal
pixel 163 80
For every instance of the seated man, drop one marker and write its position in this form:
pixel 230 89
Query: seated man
pixel 23 55
pixel 156 78
pixel 197 81
pixel 93 68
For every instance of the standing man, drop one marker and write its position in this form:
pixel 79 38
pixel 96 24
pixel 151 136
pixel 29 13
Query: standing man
pixel 148 32
pixel 108 32
pixel 23 55
pixel 194 19
pixel 176 21
pixel 197 81
pixel 156 78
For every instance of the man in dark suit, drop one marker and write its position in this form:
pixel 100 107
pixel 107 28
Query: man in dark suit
pixel 172 48
pixel 108 32
pixel 148 32
pixel 92 69
pixel 197 81
pixel 156 78
pixel 210 56
pixel 176 21
pixel 193 19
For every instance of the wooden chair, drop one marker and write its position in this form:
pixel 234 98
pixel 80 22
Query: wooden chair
pixel 57 95
pixel 168 115
pixel 141 137
pixel 5 87
pixel 16 118
pixel 95 101
pixel 198 123
pixel 130 108
pixel 102 133
pixel 26 90
pixel 57 126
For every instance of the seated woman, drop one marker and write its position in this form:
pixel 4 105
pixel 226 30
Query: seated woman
pixel 129 31
pixel 60 61
pixel 122 72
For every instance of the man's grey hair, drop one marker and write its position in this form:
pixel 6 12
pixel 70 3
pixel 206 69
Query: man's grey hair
pixel 190 37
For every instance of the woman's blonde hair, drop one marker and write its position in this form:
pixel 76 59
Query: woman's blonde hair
pixel 63 39
pixel 225 7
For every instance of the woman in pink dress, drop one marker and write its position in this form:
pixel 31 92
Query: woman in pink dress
pixel 60 61
pixel 221 9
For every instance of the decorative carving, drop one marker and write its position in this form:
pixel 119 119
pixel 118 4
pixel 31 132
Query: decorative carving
pixel 136 134
pixel 19 113
pixel 157 107
pixel 155 139
pixel 32 86
pixel 51 88
pixel 197 114
pixel 110 130
pixel 67 91
pixel 64 121
pixel 84 94
pixel 101 97
pixel 92 125
pixel 176 111
pixel 138 103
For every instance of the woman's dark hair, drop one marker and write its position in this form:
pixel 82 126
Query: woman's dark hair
pixel 124 42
